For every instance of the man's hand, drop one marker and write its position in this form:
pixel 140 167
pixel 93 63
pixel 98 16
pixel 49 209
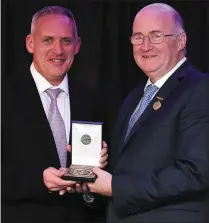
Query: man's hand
pixel 104 155
pixel 52 180
pixel 69 149
pixel 103 183
pixel 80 188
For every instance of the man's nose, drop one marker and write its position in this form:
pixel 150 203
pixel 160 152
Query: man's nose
pixel 146 45
pixel 58 48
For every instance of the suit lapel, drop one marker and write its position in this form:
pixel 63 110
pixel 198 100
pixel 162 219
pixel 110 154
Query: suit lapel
pixel 71 98
pixel 164 92
pixel 35 116
pixel 128 112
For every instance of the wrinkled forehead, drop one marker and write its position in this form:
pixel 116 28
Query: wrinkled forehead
pixel 153 19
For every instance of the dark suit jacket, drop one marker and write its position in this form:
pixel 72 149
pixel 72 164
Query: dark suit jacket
pixel 28 148
pixel 161 174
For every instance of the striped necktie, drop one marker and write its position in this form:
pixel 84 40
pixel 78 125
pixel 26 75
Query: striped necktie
pixel 147 97
pixel 57 126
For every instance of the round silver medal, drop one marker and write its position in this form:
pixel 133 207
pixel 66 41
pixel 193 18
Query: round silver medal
pixel 86 139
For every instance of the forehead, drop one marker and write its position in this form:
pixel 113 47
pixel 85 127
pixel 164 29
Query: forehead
pixel 54 24
pixel 152 19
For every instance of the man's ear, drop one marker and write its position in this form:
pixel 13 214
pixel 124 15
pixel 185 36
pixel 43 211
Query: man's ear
pixel 29 43
pixel 78 45
pixel 182 39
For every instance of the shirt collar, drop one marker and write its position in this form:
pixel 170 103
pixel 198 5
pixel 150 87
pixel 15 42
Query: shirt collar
pixel 162 80
pixel 42 84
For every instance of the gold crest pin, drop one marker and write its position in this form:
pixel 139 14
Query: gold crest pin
pixel 157 104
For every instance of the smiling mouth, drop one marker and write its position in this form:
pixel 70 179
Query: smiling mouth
pixel 148 56
pixel 57 61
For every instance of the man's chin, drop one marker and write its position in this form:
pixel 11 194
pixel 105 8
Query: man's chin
pixel 59 76
pixel 58 73
pixel 149 69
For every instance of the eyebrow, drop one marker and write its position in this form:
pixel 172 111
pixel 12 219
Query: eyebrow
pixel 152 31
pixel 44 37
pixel 64 37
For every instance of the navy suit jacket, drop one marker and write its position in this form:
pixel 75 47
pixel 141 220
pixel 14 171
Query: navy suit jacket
pixel 28 148
pixel 161 173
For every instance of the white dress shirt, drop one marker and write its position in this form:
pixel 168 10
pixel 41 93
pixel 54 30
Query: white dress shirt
pixel 162 80
pixel 63 99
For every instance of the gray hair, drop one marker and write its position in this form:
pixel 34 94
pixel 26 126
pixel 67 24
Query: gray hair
pixel 59 10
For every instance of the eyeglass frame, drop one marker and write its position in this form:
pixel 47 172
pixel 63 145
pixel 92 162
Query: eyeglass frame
pixel 162 35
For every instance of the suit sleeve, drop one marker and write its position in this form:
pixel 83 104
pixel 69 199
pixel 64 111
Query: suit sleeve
pixel 19 182
pixel 187 173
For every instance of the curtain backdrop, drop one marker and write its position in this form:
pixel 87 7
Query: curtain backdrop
pixel 105 62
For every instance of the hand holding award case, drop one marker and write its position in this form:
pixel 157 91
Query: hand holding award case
pixel 86 148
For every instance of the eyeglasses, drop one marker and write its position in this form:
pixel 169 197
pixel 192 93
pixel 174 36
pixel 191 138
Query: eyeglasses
pixel 154 37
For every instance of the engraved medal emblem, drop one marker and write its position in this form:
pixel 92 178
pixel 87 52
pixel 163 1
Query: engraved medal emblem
pixel 80 171
pixel 86 139
pixel 157 104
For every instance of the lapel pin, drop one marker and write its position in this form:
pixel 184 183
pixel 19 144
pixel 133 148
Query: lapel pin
pixel 157 104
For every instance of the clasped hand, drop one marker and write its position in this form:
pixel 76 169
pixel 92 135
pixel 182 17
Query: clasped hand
pixel 53 181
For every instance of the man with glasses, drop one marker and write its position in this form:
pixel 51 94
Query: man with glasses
pixel 159 154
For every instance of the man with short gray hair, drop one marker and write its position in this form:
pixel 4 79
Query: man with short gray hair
pixel 159 152
pixel 39 107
